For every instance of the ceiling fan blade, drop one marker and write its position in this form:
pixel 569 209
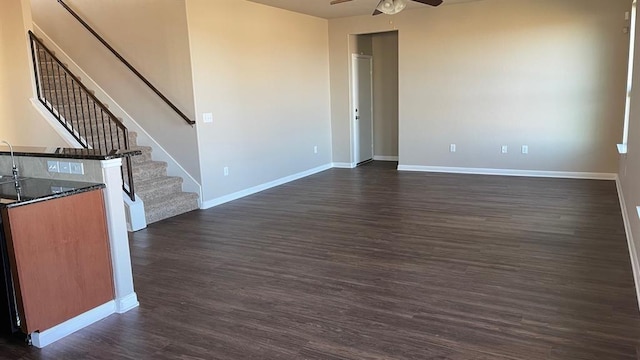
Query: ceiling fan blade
pixel 376 11
pixel 429 2
pixel 334 2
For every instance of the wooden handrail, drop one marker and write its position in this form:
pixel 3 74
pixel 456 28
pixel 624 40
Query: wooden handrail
pixel 126 63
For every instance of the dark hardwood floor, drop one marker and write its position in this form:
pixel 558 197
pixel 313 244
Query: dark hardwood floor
pixel 372 263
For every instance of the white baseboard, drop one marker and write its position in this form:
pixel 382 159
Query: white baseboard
pixel 256 189
pixel 344 165
pixel 509 172
pixel 127 303
pixel 385 158
pixel 49 336
pixel 635 265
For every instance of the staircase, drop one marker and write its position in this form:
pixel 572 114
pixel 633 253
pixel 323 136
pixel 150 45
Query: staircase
pixel 162 195
pixel 94 126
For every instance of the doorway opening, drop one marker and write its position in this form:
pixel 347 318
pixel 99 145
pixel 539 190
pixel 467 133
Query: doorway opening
pixel 374 98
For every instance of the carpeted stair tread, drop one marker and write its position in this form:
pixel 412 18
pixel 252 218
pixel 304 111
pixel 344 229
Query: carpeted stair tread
pixel 158 187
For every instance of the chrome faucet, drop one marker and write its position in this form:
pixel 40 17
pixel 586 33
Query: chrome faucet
pixel 14 168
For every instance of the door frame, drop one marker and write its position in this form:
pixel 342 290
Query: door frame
pixel 355 141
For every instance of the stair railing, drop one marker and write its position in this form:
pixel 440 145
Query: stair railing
pixel 126 63
pixel 76 108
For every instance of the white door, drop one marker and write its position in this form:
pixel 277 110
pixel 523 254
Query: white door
pixel 362 99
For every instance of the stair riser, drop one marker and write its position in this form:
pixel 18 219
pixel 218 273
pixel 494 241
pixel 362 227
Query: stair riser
pixel 160 191
pixel 133 138
pixel 180 208
pixel 138 159
pixel 142 173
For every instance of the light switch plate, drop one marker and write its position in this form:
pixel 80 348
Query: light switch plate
pixel 207 117
pixel 64 167
pixel 53 166
pixel 76 168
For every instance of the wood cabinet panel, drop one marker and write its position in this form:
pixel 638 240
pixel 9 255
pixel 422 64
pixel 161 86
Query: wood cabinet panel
pixel 59 252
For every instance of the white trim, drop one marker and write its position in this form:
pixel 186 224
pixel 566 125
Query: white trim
pixel 622 148
pixel 174 168
pixel 509 172
pixel 256 189
pixel 118 236
pixel 196 108
pixel 342 165
pixel 134 211
pixel 385 158
pixel 127 303
pixel 635 265
pixel 55 124
pixel 355 131
pixel 49 336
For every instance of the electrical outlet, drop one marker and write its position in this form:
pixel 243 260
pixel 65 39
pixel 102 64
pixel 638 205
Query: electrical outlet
pixel 315 149
pixel 505 149
pixel 452 148
pixel 53 166
pixel 76 168
pixel 226 171
pixel 207 117
pixel 525 149
pixel 64 167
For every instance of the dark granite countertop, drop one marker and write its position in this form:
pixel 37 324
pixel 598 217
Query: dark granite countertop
pixel 32 190
pixel 69 153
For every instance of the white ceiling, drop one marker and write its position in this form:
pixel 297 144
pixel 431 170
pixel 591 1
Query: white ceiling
pixel 321 8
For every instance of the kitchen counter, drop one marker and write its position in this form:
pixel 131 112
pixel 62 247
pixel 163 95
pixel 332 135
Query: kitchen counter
pixel 32 190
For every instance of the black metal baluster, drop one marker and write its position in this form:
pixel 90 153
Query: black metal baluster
pixel 93 122
pixel 95 119
pixel 84 120
pixel 58 93
pixel 67 110
pixel 43 100
pixel 51 92
pixel 36 71
pixel 112 124
pixel 103 137
pixel 75 107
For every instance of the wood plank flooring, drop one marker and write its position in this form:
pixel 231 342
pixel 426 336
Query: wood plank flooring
pixel 372 263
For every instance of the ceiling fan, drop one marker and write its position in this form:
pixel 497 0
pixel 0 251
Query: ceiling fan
pixel 391 7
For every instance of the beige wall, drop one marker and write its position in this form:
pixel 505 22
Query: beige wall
pixel 629 173
pixel 20 123
pixel 385 94
pixel 546 73
pixel 264 74
pixel 153 36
